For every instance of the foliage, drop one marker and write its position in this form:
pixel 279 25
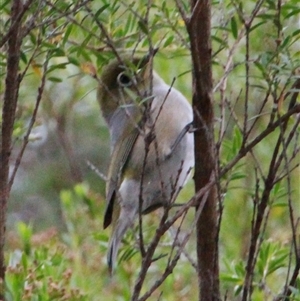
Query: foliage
pixel 256 69
pixel 70 265
pixel 43 273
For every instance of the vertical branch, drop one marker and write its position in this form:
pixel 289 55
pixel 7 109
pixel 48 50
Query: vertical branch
pixel 8 117
pixel 247 24
pixel 247 67
pixel 164 225
pixel 199 30
pixel 276 160
pixel 290 283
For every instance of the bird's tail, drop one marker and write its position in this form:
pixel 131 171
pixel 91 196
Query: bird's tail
pixel 124 222
pixel 113 248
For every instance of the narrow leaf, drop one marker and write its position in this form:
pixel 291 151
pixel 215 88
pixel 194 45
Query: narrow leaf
pixel 234 27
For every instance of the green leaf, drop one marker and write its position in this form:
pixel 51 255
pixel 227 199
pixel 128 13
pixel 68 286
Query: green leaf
pixel 128 253
pixel 128 25
pixel 168 41
pixel 55 79
pixel 234 27
pixel 256 25
pixel 23 57
pixel 219 40
pixel 3 4
pixel 73 60
pixel 102 237
pixel 32 38
pixel 231 278
pixel 24 231
pixel 49 46
pixel 24 260
pixel 292 13
pixel 143 26
pixel 101 10
pixel 57 52
pixel 237 176
pixel 67 34
pixel 277 263
pixel 237 140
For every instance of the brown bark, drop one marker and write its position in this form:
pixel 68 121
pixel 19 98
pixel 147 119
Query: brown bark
pixel 207 228
pixel 8 117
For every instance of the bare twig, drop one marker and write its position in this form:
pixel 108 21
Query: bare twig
pixel 172 263
pixel 184 252
pixel 270 181
pixel 260 137
pixel 96 170
pixel 164 225
pixel 248 24
pixel 287 291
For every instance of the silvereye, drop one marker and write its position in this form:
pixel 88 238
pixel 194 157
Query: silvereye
pixel 152 150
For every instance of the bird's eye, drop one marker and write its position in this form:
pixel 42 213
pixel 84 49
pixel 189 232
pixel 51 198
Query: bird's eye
pixel 124 80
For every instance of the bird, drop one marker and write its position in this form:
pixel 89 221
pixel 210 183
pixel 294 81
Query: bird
pixel 152 147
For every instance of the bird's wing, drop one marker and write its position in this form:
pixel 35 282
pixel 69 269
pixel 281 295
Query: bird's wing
pixel 118 160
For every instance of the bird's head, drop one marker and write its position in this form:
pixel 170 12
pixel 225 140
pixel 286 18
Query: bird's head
pixel 125 81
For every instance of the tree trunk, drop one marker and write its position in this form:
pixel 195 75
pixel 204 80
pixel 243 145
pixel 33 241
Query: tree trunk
pixel 205 166
pixel 8 118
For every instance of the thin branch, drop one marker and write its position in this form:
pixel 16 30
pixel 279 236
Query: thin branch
pixel 171 265
pixel 108 40
pixel 96 171
pixel 261 209
pixel 16 22
pixel 164 225
pixel 287 291
pixel 243 151
pixel 247 84
pixel 31 124
pixel 69 18
pixel 255 11
pixel 184 252
pixel 229 66
pixel 182 12
pixel 141 236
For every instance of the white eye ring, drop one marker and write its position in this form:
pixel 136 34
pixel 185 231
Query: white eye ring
pixel 124 80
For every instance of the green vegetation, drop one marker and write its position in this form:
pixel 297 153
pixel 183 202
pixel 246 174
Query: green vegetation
pixel 55 243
